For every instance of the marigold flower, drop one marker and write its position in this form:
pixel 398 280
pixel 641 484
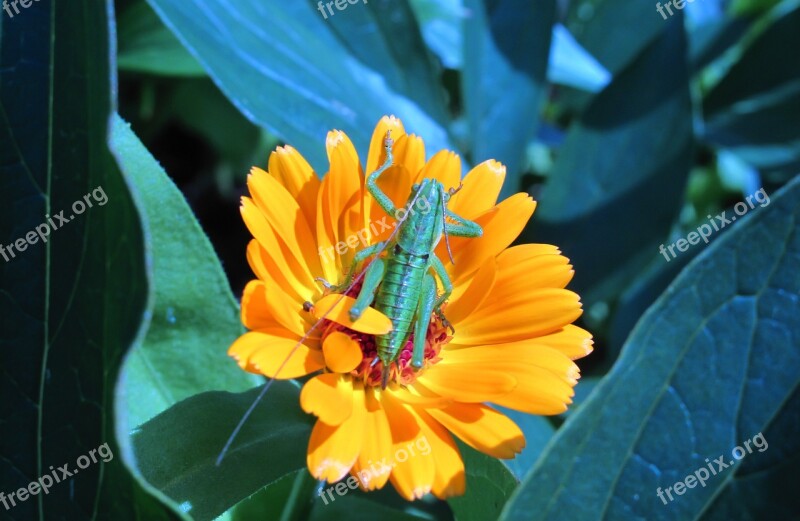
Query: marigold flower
pixel 512 341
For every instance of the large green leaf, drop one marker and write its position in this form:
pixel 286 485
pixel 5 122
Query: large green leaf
pixel 176 451
pixel 72 305
pixel 505 62
pixel 712 364
pixel 284 68
pixel 194 315
pixel 755 107
pixel 489 485
pixel 634 26
pixel 628 155
pixel 146 45
pixel 386 37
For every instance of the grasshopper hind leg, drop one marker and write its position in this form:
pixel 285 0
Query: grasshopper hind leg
pixel 427 303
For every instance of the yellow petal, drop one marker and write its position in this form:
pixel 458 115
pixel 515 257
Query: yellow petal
pixel 477 290
pixel 538 271
pixel 501 225
pixel 284 215
pixel 268 354
pixel 273 269
pixel 450 478
pixel 280 257
pixel 377 150
pixel 415 395
pixel 377 445
pixel 480 191
pixel 409 152
pixel 256 313
pixel 342 353
pixel 445 167
pixel 465 384
pixel 571 340
pixel 336 307
pixel 526 314
pixel 332 450
pixel 482 428
pixel 329 397
pixel 291 169
pixel 412 476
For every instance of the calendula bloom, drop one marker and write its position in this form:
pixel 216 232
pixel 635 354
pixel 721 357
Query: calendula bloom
pixel 512 341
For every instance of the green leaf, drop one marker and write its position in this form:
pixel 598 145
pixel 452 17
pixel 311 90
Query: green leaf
pixel 146 45
pixel 385 36
pixel 489 485
pixel 194 315
pixel 537 430
pixel 73 304
pixel 712 364
pixel 357 508
pixel 592 21
pixel 505 62
pixel 283 67
pixel 628 154
pixel 176 451
pixel 754 108
pixel 288 499
pixel 441 25
pixel 570 64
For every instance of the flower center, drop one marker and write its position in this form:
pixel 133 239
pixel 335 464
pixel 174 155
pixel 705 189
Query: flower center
pixel 371 368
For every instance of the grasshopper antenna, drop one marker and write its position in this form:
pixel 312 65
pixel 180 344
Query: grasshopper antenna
pixel 269 383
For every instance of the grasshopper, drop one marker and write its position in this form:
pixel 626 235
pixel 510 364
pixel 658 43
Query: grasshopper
pixel 401 285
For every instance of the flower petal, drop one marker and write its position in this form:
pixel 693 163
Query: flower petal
pixel 371 474
pixel 465 384
pixel 476 292
pixel 445 167
pixel 267 353
pixel 377 148
pixel 329 397
pixel 342 353
pixel 501 225
pixel 332 450
pixel 282 265
pixel 336 307
pixel 526 314
pixel 256 313
pixel 482 428
pixel 411 476
pixel 571 340
pixel 291 169
pixel 480 191
pixel 284 215
pixel 450 479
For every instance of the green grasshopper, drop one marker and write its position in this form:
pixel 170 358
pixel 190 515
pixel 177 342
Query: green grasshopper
pixel 400 285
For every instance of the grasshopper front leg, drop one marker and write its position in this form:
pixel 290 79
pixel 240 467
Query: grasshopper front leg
pixel 357 258
pixel 462 227
pixel 383 200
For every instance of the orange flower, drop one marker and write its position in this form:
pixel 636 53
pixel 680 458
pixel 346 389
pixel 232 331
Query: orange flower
pixel 513 342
